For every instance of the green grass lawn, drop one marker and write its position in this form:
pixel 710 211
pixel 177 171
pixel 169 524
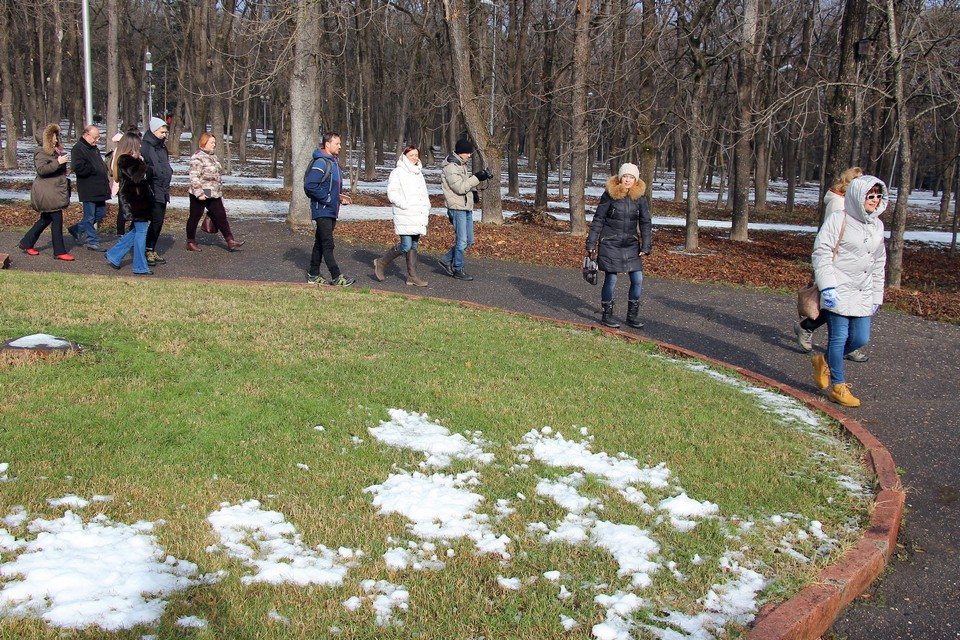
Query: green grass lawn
pixel 188 395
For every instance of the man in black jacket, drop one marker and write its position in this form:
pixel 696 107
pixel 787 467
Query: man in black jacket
pixel 93 187
pixel 159 173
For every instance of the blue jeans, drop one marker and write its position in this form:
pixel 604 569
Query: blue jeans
pixel 407 243
pixel 463 228
pixel 844 334
pixel 93 212
pixel 135 239
pixel 610 282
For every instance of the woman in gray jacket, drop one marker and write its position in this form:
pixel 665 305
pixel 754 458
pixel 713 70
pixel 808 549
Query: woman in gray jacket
pixel 848 262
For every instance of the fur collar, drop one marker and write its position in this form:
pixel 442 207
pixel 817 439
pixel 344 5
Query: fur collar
pixel 50 133
pixel 617 191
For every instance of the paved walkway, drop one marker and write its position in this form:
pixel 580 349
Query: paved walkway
pixel 909 387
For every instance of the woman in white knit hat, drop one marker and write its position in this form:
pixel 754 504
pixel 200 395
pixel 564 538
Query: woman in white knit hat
pixel 619 238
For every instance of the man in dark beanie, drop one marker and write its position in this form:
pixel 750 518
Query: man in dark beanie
pixel 458 185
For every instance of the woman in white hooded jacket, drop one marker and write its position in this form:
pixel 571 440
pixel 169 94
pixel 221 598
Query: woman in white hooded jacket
pixel 407 192
pixel 833 202
pixel 848 258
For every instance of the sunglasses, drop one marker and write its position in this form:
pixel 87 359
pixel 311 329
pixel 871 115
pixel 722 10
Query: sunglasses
pixel 875 196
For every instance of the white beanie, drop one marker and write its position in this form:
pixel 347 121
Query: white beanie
pixel 157 123
pixel 628 168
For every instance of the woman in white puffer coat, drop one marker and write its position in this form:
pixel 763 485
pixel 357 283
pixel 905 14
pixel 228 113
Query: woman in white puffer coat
pixel 848 258
pixel 407 192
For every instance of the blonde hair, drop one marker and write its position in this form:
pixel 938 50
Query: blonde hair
pixel 128 145
pixel 845 178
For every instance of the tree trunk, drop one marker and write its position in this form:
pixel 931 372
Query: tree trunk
pixel 842 107
pixel 113 73
pixel 899 224
pixel 455 15
pixel 6 99
pixel 746 89
pixel 303 107
pixel 580 147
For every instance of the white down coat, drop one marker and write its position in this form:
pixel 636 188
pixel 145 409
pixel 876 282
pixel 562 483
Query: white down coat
pixel 407 192
pixel 857 271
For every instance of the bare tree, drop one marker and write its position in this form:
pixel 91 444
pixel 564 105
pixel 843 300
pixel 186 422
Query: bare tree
pixel 303 104
pixel 581 137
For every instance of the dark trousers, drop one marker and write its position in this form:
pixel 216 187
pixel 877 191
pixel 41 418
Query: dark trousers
pixel 52 219
pixel 215 209
pixel 809 324
pixel 157 211
pixel 323 247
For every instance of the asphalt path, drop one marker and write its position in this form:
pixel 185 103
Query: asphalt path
pixel 909 387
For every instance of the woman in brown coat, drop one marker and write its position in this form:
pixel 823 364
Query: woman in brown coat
pixel 49 194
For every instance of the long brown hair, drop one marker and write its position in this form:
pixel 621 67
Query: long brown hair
pixel 129 144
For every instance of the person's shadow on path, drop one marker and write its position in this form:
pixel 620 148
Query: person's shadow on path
pixel 554 298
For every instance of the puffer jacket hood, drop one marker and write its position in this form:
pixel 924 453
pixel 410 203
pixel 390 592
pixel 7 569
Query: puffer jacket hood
pixel 857 193
pixel 50 133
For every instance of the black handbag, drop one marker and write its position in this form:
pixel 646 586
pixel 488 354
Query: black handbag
pixel 589 269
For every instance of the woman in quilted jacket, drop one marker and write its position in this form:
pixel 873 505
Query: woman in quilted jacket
pixel 407 191
pixel 621 233
pixel 848 262
pixel 206 194
pixel 50 194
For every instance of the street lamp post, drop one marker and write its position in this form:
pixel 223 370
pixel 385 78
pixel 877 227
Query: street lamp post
pixel 148 67
pixel 493 63
pixel 87 81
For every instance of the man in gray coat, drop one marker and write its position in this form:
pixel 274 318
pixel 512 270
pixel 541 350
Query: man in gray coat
pixel 159 173
pixel 458 185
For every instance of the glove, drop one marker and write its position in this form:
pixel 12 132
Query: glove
pixel 483 174
pixel 876 308
pixel 829 298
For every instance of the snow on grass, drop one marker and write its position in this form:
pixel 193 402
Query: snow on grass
pixel 77 574
pixel 270 545
pixel 439 507
pixel 39 341
pixel 415 431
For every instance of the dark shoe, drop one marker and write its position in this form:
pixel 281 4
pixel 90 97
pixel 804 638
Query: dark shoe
pixel 95 247
pixel 857 356
pixel 66 257
pixel 342 281
pixel 317 280
pixel 152 258
pixel 380 264
pixel 30 251
pixel 633 313
pixel 192 246
pixel 143 273
pixel 233 245
pixel 460 274
pixel 413 279
pixel 72 230
pixel 447 266
pixel 606 319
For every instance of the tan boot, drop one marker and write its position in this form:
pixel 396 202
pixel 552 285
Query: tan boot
pixel 840 393
pixel 412 279
pixel 821 371
pixel 380 264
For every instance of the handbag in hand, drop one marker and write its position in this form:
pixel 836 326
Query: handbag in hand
pixel 208 225
pixel 808 300
pixel 589 269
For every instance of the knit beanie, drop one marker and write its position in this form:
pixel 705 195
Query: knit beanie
pixel 629 169
pixel 463 146
pixel 157 123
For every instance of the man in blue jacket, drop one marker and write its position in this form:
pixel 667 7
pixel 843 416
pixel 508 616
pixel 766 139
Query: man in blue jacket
pixel 323 184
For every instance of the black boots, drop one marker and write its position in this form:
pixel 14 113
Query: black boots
pixel 380 264
pixel 607 318
pixel 412 279
pixel 633 313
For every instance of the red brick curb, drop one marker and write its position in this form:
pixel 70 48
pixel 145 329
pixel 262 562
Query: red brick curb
pixel 810 613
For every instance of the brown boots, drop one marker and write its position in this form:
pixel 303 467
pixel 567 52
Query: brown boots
pixel 412 279
pixel 380 264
